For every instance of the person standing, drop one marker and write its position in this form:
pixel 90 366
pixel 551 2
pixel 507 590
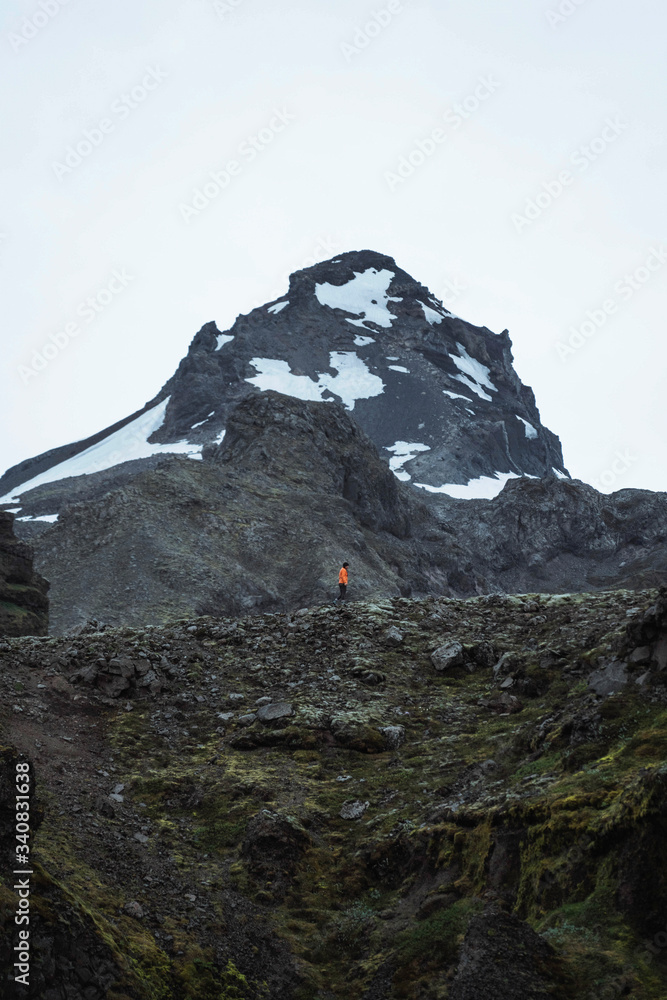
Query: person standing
pixel 342 582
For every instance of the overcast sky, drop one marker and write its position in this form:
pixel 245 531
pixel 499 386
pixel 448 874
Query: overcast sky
pixel 511 156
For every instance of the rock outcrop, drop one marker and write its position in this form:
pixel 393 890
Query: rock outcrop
pixel 264 522
pixel 24 606
pixel 560 535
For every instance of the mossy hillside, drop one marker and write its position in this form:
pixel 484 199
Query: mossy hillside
pixel 482 802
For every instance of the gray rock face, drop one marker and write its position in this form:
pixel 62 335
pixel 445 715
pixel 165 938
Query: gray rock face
pixel 502 957
pixel 609 680
pixel 394 736
pixel 558 536
pixel 24 606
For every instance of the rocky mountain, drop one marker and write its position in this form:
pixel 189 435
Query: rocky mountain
pixel 460 799
pixel 438 396
pixel 24 606
pixel 353 419
pixel 263 522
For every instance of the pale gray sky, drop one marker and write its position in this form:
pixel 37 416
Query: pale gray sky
pixel 115 114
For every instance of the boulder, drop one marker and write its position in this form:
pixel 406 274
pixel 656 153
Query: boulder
pixel 608 680
pixel 275 711
pixel 246 720
pixel 112 685
pixel 447 656
pixel 392 636
pixel 394 736
pixel 356 733
pixel 353 810
pixel 502 958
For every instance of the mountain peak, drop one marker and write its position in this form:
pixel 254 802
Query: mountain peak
pixel 438 396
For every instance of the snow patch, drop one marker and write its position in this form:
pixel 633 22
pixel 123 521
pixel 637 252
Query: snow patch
pixel 561 475
pixel 456 395
pixel 360 341
pixel 354 380
pixel 275 374
pixel 201 422
pixel 364 296
pixel 530 430
pixel 40 517
pixel 484 488
pixel 475 374
pixel 13 510
pixel 124 445
pixel 399 368
pixel 275 309
pixel 403 451
pixel 431 315
pixel 223 338
pixel 219 439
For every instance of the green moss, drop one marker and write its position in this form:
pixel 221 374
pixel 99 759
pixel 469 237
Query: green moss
pixel 431 943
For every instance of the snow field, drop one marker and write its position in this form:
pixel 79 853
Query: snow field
pixel 130 442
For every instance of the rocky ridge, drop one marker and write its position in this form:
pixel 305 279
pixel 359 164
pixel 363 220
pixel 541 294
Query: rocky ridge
pixel 433 798
pixel 23 593
pixel 265 520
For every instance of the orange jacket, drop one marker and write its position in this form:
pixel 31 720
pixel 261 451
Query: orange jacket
pixel 342 576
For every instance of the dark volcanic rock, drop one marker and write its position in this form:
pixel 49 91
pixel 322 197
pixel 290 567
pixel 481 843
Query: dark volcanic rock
pixel 502 958
pixel 264 522
pixel 24 606
pixel 561 535
pixel 296 487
